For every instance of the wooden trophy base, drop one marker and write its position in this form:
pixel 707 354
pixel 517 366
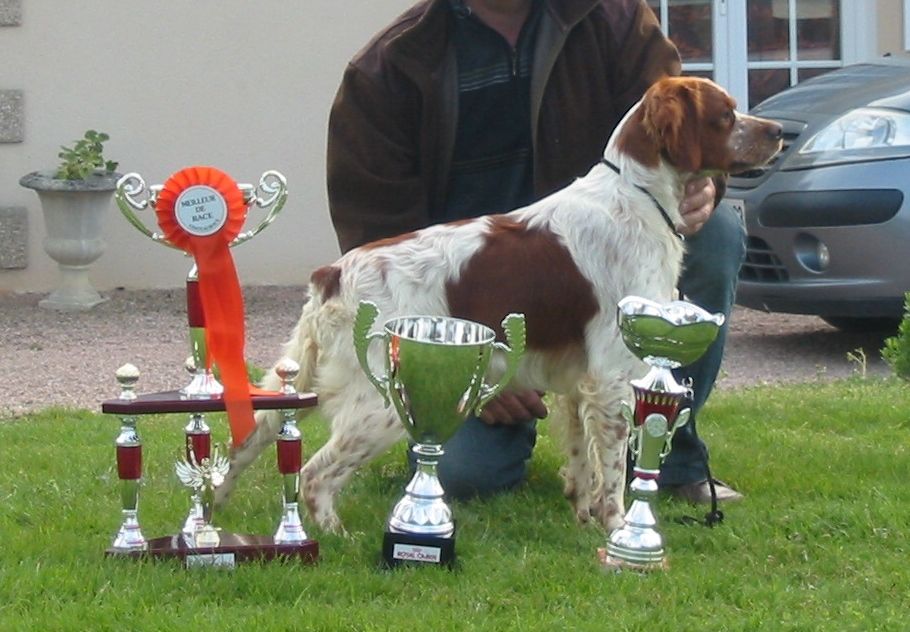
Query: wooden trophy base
pixel 165 402
pixel 234 548
pixel 417 550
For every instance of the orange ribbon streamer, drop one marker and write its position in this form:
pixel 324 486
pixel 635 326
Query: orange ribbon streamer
pixel 219 286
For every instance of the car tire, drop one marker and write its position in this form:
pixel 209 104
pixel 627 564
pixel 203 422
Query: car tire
pixel 860 324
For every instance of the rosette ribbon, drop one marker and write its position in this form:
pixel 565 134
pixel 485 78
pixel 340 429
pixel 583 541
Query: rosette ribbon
pixel 201 210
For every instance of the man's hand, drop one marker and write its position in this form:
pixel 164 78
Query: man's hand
pixel 697 205
pixel 512 407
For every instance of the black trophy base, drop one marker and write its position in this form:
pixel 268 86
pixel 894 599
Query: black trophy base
pixel 234 548
pixel 417 550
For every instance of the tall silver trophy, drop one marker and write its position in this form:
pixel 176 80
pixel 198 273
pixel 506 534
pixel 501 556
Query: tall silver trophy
pixel 666 336
pixel 435 368
pixel 202 211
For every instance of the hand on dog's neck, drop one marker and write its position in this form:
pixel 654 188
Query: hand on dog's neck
pixel 506 17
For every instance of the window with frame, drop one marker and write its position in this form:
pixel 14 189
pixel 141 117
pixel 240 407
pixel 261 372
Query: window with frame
pixel 690 25
pixel 781 42
pixel 789 41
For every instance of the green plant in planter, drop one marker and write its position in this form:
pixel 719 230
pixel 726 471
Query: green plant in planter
pixel 74 200
pixel 896 351
pixel 85 157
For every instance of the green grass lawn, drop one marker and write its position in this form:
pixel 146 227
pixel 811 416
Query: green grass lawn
pixel 820 543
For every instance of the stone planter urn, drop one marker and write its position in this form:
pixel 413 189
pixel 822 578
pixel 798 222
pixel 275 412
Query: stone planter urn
pixel 74 213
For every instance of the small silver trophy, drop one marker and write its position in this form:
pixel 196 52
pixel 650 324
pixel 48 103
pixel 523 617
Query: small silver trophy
pixel 435 368
pixel 665 336
pixel 202 477
pixel 133 195
pixel 290 457
pixel 198 448
pixel 129 468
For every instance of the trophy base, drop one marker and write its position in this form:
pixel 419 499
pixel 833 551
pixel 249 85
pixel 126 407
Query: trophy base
pixel 233 549
pixel 616 564
pixel 412 549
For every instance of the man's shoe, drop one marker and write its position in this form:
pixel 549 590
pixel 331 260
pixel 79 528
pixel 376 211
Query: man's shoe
pixel 700 493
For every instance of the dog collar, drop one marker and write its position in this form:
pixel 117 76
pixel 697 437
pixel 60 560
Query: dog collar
pixel 663 212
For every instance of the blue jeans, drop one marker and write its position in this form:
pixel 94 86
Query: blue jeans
pixel 482 459
pixel 711 268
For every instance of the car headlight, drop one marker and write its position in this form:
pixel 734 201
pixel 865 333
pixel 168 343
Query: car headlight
pixel 859 135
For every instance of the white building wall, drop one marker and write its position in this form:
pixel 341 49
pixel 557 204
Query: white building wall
pixel 242 86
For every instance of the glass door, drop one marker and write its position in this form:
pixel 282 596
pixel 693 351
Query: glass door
pixel 756 48
pixel 690 25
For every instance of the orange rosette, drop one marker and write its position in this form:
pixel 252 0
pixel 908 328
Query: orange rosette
pixel 201 210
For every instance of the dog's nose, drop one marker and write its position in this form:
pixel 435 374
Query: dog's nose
pixel 775 130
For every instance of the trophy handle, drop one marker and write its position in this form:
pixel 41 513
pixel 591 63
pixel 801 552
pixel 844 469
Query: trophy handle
pixel 129 197
pixel 682 417
pixel 275 186
pixel 628 414
pixel 514 326
pixel 363 322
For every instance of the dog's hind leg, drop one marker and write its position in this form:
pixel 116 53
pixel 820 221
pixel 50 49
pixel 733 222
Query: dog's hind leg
pixel 302 350
pixel 268 423
pixel 361 430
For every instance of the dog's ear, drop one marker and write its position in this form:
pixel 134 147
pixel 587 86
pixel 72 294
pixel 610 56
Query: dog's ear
pixel 637 141
pixel 671 118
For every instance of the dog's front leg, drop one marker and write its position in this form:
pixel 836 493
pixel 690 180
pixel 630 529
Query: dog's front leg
pixel 606 434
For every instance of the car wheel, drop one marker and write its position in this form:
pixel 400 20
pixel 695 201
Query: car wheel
pixel 859 324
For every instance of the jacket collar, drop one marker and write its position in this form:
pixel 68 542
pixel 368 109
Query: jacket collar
pixel 420 41
pixel 568 13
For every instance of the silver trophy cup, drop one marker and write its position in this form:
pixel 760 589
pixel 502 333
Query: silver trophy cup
pixel 665 336
pixel 133 195
pixel 435 368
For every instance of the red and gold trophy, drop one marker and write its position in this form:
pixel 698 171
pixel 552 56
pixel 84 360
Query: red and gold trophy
pixel 202 211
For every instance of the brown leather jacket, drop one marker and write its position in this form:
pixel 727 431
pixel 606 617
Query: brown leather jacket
pixel 392 125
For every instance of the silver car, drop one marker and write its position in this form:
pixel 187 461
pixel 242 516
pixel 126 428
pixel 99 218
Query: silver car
pixel 829 220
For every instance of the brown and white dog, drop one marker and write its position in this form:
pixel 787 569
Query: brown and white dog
pixel 564 262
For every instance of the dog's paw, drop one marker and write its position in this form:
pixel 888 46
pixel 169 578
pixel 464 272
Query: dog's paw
pixel 331 523
pixel 582 505
pixel 320 507
pixel 583 515
pixel 608 513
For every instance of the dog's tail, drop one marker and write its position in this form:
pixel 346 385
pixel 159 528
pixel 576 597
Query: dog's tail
pixel 302 349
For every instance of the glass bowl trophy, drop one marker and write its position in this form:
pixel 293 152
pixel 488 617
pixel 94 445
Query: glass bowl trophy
pixel 435 368
pixel 201 211
pixel 666 336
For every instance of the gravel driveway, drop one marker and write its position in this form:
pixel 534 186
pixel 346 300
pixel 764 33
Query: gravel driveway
pixel 69 359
